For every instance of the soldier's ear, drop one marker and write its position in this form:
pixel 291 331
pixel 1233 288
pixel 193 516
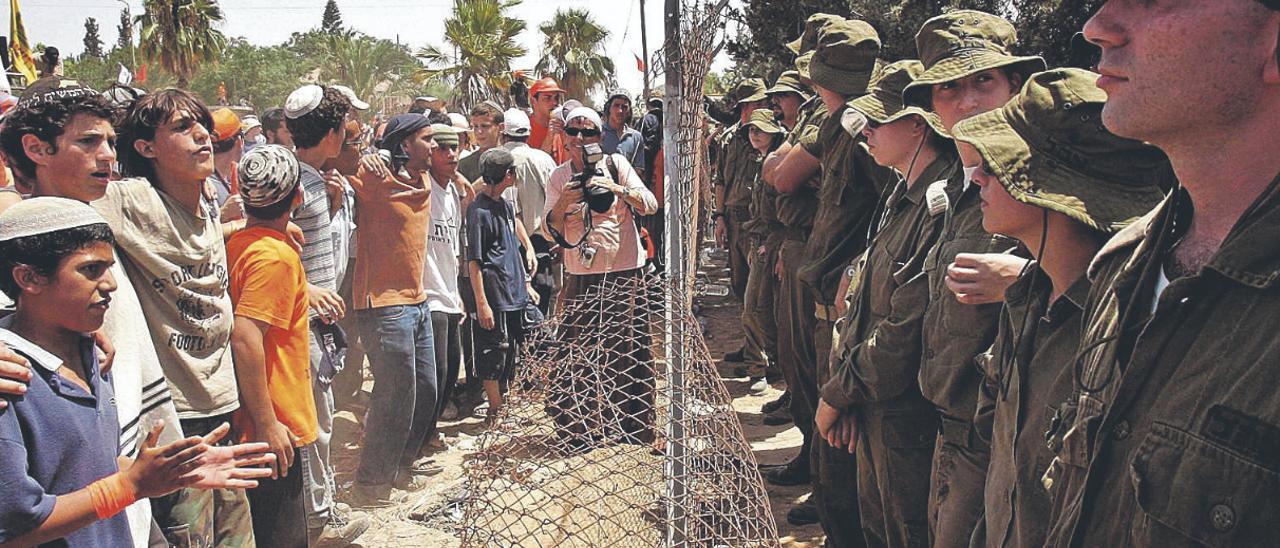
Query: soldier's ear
pixel 1272 73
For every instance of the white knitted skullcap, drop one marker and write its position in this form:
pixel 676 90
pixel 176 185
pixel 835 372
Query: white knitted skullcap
pixel 303 100
pixel 45 214
pixel 585 112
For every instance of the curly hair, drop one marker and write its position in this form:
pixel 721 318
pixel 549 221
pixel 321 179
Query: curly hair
pixel 47 119
pixel 44 252
pixel 146 116
pixel 311 128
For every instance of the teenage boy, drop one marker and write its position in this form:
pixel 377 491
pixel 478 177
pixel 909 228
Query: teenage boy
pixel 65 483
pixel 486 123
pixel 171 243
pixel 1174 442
pixel 498 278
pixel 62 142
pixel 269 293
pixel 393 202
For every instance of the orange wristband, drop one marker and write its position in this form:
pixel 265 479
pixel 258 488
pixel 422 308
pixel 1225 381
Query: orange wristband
pixel 111 495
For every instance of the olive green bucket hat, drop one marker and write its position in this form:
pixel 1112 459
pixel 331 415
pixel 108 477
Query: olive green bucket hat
pixel 962 43
pixel 809 36
pixel 765 120
pixel 750 91
pixel 1048 148
pixel 845 58
pixel 883 102
pixel 789 82
pixel 802 66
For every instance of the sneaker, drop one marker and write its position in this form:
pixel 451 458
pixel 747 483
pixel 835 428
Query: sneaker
pixel 783 402
pixel 805 513
pixel 778 417
pixel 790 475
pixel 371 496
pixel 760 385
pixel 340 531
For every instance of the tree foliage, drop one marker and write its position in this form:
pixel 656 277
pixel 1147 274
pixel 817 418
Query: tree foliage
pixel 331 22
pixel 572 52
pixel 124 31
pixel 92 41
pixel 1045 27
pixel 483 36
pixel 179 36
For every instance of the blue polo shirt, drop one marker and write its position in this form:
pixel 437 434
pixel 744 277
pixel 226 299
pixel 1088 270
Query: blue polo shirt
pixel 630 145
pixel 54 440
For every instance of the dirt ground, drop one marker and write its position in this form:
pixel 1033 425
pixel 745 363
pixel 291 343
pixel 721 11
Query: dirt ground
pixel 429 517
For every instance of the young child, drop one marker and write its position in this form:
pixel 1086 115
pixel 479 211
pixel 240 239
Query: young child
pixel 63 482
pixel 498 277
pixel 270 341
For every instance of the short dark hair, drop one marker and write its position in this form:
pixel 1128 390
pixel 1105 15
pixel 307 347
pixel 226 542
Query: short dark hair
pixel 225 145
pixel 487 109
pixel 148 114
pixel 311 128
pixel 272 119
pixel 437 117
pixel 273 211
pixel 44 252
pixel 47 120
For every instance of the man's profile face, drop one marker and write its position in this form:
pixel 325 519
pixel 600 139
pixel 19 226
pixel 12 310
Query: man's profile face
pixel 445 157
pixel 544 103
pixel 182 147
pixel 80 168
pixel 280 137
pixel 1161 61
pixel 420 146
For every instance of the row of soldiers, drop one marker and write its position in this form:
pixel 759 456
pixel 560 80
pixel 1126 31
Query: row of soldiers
pixel 1017 305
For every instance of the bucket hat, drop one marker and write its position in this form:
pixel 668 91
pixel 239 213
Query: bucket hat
pixel 789 82
pixel 750 91
pixel 962 43
pixel 1048 148
pixel 808 38
pixel 765 120
pixel 883 102
pixel 802 65
pixel 845 58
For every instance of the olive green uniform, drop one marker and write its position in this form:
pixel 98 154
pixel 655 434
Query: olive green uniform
pixel 850 191
pixel 736 176
pixel 875 376
pixel 1176 438
pixel 1025 382
pixel 764 233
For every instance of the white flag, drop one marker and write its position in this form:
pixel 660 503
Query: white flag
pixel 125 78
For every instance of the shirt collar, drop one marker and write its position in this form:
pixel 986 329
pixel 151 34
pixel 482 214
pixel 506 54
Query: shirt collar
pixel 43 358
pixel 939 169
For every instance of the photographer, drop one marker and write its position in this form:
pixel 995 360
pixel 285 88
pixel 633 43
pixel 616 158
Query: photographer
pixel 592 204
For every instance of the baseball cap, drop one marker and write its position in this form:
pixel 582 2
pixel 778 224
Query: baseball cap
pixel 494 165
pixel 350 94
pixel 444 135
pixel 546 85
pixel 249 122
pixel 516 123
pixel 226 125
pixel 267 174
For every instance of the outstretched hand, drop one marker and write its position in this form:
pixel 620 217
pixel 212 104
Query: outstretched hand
pixel 234 466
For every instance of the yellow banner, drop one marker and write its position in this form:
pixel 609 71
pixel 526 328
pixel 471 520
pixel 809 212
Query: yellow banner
pixel 19 50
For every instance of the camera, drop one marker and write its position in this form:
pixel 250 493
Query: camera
pixel 596 197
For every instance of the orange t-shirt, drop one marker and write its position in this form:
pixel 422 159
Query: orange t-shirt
pixel 268 284
pixel 538 135
pixel 394 216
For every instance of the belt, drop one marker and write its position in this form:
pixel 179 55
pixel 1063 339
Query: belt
pixel 957 432
pixel 826 312
pixel 738 214
pixel 794 233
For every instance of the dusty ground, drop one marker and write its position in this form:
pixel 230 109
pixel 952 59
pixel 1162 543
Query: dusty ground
pixel 429 517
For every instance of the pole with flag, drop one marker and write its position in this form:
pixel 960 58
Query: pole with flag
pixel 19 48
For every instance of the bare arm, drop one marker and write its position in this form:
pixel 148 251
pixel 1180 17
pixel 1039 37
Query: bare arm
pixel 483 312
pixel 247 340
pixel 797 168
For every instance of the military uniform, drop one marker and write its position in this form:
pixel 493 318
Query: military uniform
pixel 953 46
pixel 765 235
pixel 737 174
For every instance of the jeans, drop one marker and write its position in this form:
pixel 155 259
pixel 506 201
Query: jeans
pixel 446 331
pixel 317 467
pixel 399 343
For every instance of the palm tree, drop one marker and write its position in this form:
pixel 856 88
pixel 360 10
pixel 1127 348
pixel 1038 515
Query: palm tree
pixel 179 35
pixel 363 62
pixel 572 52
pixel 484 39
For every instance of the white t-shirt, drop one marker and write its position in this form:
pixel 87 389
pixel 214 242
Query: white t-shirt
pixel 440 275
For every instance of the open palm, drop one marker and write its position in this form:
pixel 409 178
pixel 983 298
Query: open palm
pixel 232 466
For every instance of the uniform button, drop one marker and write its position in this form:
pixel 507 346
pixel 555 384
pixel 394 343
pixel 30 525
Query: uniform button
pixel 1222 517
pixel 1122 430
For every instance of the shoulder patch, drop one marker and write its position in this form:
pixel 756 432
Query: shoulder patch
pixel 852 121
pixel 935 197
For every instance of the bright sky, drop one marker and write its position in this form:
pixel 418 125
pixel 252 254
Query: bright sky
pixel 414 22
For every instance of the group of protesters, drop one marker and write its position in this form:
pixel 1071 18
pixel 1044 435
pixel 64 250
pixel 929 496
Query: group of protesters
pixel 189 290
pixel 1013 304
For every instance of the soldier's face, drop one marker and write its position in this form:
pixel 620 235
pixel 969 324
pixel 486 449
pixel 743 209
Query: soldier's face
pixel 788 104
pixel 973 95
pixel 894 144
pixel 760 140
pixel 1162 60
pixel 1001 214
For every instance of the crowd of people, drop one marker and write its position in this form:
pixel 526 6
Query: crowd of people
pixel 1014 304
pixel 191 292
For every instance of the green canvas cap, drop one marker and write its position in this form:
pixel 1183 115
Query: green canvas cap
pixel 845 58
pixel 802 65
pixel 883 102
pixel 1048 148
pixel 749 90
pixel 765 120
pixel 789 82
pixel 962 43
pixel 809 36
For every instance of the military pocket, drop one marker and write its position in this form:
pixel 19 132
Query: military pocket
pixel 1193 492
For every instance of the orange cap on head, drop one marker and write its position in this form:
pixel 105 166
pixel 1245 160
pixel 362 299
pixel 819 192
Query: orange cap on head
pixel 546 85
pixel 226 125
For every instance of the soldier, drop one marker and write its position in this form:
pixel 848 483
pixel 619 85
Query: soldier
pixel 969 69
pixel 1061 202
pixel 732 186
pixel 883 417
pixel 840 69
pixel 1175 437
pixel 796 207
pixel 764 235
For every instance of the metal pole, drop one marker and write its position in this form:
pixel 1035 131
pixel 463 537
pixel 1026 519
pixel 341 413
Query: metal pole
pixel 676 238
pixel 644 53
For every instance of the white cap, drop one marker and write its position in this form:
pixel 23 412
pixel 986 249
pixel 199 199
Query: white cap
pixel 351 96
pixel 459 122
pixel 516 123
pixel 46 214
pixel 584 112
pixel 303 100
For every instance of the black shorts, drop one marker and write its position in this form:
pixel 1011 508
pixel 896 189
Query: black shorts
pixel 498 349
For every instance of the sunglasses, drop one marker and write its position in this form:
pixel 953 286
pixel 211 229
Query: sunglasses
pixel 585 132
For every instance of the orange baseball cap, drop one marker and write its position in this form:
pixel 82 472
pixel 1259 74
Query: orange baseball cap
pixel 546 85
pixel 226 125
